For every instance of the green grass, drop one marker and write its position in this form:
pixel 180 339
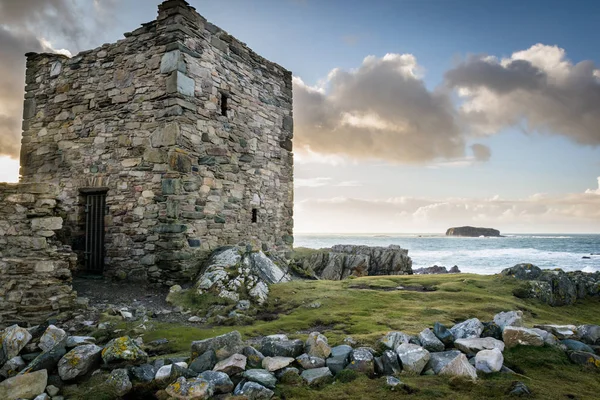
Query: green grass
pixel 367 314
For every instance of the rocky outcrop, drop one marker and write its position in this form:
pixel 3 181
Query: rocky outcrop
pixel 436 269
pixel 342 261
pixel 470 231
pixel 554 286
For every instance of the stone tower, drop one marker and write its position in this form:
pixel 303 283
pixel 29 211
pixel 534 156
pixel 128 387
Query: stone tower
pixel 164 146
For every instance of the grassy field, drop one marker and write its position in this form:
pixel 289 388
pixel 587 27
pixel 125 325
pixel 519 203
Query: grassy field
pixel 366 308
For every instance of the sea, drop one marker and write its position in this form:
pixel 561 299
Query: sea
pixel 480 255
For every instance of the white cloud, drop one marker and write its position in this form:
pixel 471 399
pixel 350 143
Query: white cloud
pixel 311 182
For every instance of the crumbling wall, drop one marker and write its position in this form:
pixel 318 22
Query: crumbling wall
pixel 35 267
pixel 142 118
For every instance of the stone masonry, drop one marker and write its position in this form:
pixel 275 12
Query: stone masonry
pixel 187 130
pixel 35 267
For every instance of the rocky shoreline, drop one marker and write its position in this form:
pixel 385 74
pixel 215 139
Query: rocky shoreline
pixel 45 362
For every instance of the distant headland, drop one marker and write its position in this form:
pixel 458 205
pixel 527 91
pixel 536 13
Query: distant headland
pixel 471 231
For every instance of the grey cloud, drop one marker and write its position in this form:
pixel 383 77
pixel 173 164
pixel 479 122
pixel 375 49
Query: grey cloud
pixel 379 111
pixel 538 89
pixel 481 152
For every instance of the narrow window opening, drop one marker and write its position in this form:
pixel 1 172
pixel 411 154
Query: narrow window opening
pixel 254 215
pixel 224 108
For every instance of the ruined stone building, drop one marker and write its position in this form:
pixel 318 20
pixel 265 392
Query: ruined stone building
pixel 159 148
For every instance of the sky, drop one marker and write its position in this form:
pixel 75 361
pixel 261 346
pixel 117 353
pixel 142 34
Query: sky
pixel 410 115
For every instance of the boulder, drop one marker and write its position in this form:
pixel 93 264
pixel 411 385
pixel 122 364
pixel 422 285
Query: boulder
pixel 549 338
pixel 12 367
pixel 281 346
pixel 206 362
pixel 388 363
pixel 443 334
pixel 514 336
pixel 430 342
pixel 489 361
pixel 261 376
pixel 589 334
pixel 519 389
pixel 317 376
pixel 192 389
pixel 253 357
pixel 575 345
pixel 490 329
pixel 74 341
pixel 393 383
pixel 164 373
pixel 253 391
pixel 523 272
pixel 47 360
pixel 317 346
pixel 220 381
pixel 179 370
pixel 560 331
pixel 475 345
pixel 459 366
pixel 290 375
pixel 509 318
pixel 123 351
pixel 393 339
pixel 224 346
pixel 13 341
pixel 471 231
pixel 143 373
pixel 413 357
pixel 339 358
pixel 79 361
pixel 361 360
pixel 470 328
pixel 25 386
pixel 309 362
pixel 235 364
pixel 119 382
pixel 585 359
pixel 438 361
pixel 52 337
pixel 275 363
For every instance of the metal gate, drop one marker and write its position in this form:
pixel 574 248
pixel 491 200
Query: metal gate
pixel 95 204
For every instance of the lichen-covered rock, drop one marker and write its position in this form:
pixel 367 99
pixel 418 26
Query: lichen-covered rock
pixel 119 382
pixel 52 337
pixel 79 361
pixel 490 329
pixel 12 367
pixel 190 389
pixel 317 345
pixel 459 366
pixel 361 360
pixel 254 391
pixel 443 334
pixel 429 341
pixel 14 340
pixel 514 336
pixel 393 339
pixel 585 359
pixel 509 318
pixel 205 362
pixel 47 360
pixel 470 328
pixel 275 363
pixel 123 351
pixel 26 386
pixel 223 346
pixel 489 361
pixel 475 345
pixel 310 362
pixel 74 341
pixel 235 364
pixel 220 381
pixel 281 346
pixel 261 376
pixel 254 357
pixel 142 373
pixel 438 361
pixel 413 358
pixel 317 376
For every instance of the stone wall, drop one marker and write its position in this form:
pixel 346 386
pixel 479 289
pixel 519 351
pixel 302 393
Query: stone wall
pixel 143 118
pixel 35 267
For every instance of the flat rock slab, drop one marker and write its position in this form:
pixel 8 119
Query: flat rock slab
pixel 317 376
pixel 514 336
pixel 224 346
pixel 475 345
pixel 560 331
pixel 25 386
pixel 459 366
pixel 262 376
pixel 232 365
pixel 274 363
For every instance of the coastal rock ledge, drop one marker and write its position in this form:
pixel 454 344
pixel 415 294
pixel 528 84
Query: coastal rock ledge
pixel 341 261
pixel 470 231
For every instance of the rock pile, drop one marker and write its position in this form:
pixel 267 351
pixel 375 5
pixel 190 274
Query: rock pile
pixel 37 362
pixel 554 286
pixel 436 269
pixel 342 261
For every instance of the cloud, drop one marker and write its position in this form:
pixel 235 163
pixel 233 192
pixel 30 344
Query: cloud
pixel 382 110
pixel 596 191
pixel 481 152
pixel 311 182
pixel 26 26
pixel 538 89
pixel 576 212
pixel 349 184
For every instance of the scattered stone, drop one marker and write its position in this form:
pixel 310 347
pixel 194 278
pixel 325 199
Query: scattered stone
pixel 254 391
pixel 26 386
pixel 429 341
pixel 52 337
pixel 514 336
pixel 274 363
pixel 123 351
pixel 443 334
pixel 79 361
pixel 413 357
pixel 235 364
pixel 489 361
pixel 43 396
pixel 519 389
pixel 475 345
pixel 309 362
pixel 192 389
pixel 12 367
pixel 224 346
pixel 317 376
pixel 206 362
pixel 468 329
pixel 317 346
pixel 119 382
pixel 509 318
pixel 261 376
pixel 218 380
pixel 459 366
pixel 52 390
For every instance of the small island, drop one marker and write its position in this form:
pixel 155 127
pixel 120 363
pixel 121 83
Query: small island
pixel 470 231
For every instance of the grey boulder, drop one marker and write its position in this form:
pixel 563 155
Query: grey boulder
pixel 79 361
pixel 468 329
pixel 317 376
pixel 430 342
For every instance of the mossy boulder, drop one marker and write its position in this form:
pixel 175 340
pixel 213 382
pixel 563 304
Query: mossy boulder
pixel 123 351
